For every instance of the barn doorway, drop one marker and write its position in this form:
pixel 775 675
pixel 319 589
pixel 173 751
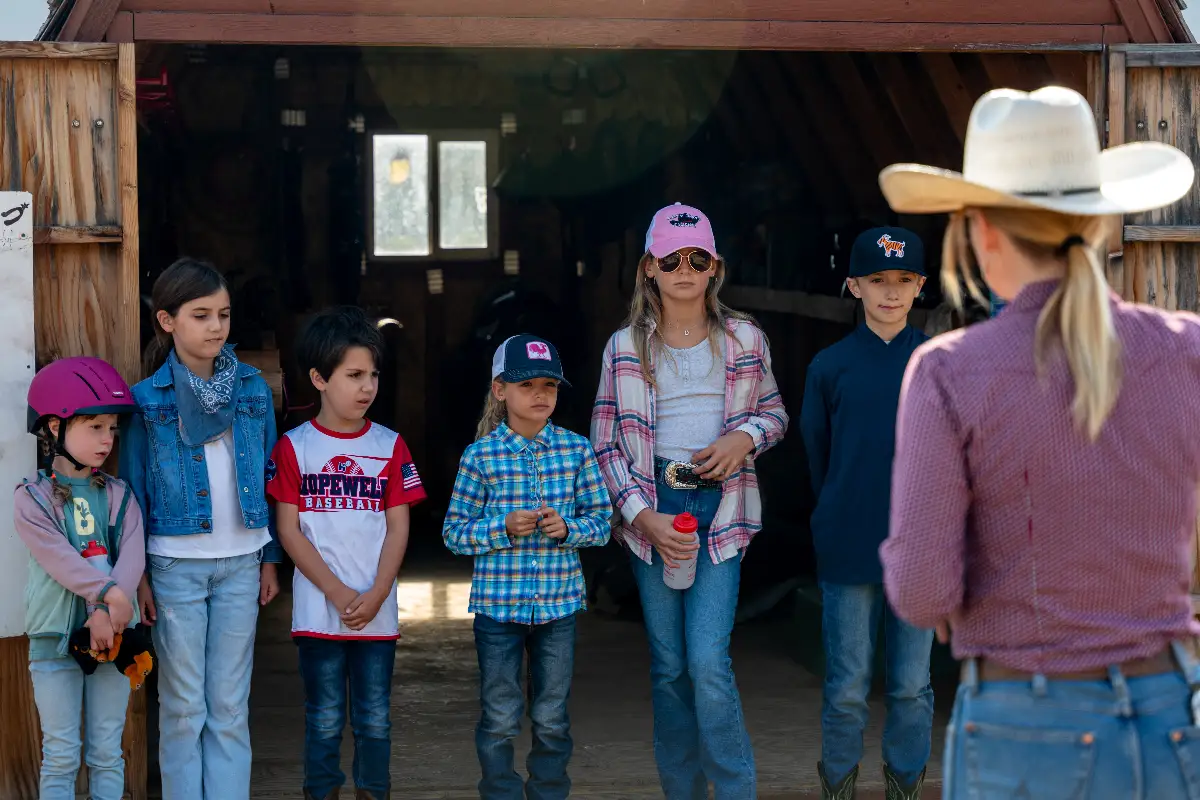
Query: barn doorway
pixel 462 196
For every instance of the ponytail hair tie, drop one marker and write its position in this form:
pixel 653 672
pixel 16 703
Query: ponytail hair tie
pixel 1069 242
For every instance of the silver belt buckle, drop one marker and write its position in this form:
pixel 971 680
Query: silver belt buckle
pixel 672 475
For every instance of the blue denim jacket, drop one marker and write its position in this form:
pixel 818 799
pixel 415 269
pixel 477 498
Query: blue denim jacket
pixel 170 478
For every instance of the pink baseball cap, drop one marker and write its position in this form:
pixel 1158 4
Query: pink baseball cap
pixel 679 226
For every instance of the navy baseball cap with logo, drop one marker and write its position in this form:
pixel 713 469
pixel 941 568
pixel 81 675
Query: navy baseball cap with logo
pixel 881 249
pixel 524 357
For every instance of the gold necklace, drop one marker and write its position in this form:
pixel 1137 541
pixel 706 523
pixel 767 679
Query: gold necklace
pixel 686 331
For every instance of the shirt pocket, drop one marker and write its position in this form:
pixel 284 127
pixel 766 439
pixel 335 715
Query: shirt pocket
pixel 166 475
pixel 1004 761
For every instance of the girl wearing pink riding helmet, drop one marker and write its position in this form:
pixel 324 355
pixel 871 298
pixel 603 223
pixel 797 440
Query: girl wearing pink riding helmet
pixel 84 534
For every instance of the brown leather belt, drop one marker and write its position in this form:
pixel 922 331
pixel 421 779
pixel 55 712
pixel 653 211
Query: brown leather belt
pixel 1157 664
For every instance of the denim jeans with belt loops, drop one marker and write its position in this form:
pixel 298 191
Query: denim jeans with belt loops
pixel 1047 739
pixel 699 729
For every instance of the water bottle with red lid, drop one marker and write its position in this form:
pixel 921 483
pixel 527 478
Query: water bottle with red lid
pixel 96 554
pixel 683 575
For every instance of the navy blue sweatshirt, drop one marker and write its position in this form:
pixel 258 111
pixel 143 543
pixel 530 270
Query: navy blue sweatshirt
pixel 848 422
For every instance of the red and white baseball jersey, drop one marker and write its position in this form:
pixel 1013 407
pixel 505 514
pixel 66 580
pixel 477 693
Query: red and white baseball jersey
pixel 343 483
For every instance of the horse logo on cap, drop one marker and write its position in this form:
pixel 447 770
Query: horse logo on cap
pixel 890 246
pixel 685 220
pixel 538 350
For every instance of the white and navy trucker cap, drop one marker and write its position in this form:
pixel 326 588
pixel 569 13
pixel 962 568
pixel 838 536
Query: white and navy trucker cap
pixel 524 357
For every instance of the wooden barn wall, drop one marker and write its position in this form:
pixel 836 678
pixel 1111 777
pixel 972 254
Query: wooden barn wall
pixel 782 149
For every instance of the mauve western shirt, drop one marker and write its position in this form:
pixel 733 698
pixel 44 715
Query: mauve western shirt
pixel 1048 552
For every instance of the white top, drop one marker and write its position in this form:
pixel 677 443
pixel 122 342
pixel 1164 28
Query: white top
pixel 342 484
pixel 689 410
pixel 229 537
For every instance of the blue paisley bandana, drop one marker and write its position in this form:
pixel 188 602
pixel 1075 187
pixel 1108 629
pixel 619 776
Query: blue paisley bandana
pixel 206 407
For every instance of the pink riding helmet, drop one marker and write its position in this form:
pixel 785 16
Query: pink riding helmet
pixel 79 385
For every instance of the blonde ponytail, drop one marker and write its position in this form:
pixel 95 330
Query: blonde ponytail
pixel 494 412
pixel 1077 316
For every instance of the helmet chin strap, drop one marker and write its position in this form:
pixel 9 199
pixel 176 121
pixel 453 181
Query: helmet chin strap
pixel 60 446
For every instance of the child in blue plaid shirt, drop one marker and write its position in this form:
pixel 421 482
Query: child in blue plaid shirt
pixel 528 495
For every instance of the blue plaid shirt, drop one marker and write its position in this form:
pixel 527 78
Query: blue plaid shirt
pixel 528 579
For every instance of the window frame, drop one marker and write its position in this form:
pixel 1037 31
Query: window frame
pixel 435 136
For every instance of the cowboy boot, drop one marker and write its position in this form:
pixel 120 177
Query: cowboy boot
pixel 331 796
pixel 363 794
pixel 894 789
pixel 843 791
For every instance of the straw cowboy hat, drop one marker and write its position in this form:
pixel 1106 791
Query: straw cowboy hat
pixel 1040 150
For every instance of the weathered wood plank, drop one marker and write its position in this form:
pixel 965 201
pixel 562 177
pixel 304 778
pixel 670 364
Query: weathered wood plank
pixel 65 50
pixel 1162 246
pixel 75 19
pixel 77 234
pixel 604 33
pixel 127 335
pixel 1160 55
pixel 877 121
pixel 20 735
pixel 1162 233
pixel 1116 135
pixel 1078 12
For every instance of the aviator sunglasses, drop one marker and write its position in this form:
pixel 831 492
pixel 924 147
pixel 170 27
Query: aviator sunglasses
pixel 699 260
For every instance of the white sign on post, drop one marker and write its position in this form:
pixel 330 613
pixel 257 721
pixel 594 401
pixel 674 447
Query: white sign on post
pixel 18 454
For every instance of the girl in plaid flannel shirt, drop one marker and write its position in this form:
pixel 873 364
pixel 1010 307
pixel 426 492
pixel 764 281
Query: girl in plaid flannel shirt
pixel 675 432
pixel 528 496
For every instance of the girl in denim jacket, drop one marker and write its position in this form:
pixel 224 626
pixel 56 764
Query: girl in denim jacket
pixel 196 459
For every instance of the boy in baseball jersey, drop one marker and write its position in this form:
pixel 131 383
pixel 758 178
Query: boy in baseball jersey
pixel 343 486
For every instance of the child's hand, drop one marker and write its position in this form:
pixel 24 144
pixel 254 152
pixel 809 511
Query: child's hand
pixel 100 626
pixel 145 596
pixel 268 584
pixel 364 608
pixel 341 598
pixel 521 523
pixel 552 524
pixel 120 610
pixel 671 545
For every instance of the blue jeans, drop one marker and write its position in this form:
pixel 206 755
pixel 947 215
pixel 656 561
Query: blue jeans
pixel 1128 738
pixel 62 692
pixel 699 730
pixel 849 630
pixel 207 614
pixel 328 667
pixel 501 647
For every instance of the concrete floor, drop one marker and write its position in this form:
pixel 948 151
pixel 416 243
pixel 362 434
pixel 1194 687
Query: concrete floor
pixel 435 703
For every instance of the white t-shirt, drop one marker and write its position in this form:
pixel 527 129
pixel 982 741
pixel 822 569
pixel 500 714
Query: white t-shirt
pixel 689 408
pixel 229 537
pixel 342 484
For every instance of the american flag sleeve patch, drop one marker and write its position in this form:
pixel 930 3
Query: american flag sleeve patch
pixel 411 479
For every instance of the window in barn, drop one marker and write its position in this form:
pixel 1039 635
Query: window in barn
pixel 432 197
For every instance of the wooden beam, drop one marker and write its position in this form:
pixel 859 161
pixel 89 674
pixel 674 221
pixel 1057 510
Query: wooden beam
pixel 76 234
pixel 920 111
pixel 604 33
pixel 121 29
pixel 803 304
pixel 957 99
pixel 74 21
pixel 1036 12
pixel 128 336
pixel 95 25
pixel 66 50
pixel 20 735
pixel 1162 233
pixel 877 121
pixel 1143 20
pixel 828 122
pixel 1160 55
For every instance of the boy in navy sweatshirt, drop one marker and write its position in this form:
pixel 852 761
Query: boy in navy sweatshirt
pixel 849 426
